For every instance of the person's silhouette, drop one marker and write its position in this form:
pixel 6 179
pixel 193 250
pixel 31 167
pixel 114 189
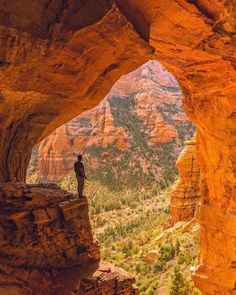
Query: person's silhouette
pixel 80 175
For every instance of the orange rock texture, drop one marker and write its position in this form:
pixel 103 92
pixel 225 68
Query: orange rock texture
pixel 186 194
pixel 47 246
pixel 47 211
pixel 155 97
pixel 90 278
pixel 59 58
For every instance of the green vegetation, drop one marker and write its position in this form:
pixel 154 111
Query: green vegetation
pixel 179 285
pixel 127 224
pixel 167 253
pixel 83 122
pixel 127 169
pixel 103 199
pixel 128 194
pixel 32 168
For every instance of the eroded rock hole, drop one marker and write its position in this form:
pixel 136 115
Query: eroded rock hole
pixel 130 143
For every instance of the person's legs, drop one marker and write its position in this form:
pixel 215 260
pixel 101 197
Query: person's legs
pixel 80 186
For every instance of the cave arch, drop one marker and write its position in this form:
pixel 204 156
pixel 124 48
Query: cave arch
pixel 52 69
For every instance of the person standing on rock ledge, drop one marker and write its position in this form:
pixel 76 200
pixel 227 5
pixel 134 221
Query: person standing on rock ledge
pixel 80 175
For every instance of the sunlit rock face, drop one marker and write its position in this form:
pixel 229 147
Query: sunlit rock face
pixel 58 63
pixel 186 194
pixel 143 111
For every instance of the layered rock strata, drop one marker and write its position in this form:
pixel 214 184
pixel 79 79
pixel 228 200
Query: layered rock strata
pixel 59 58
pixel 90 279
pixel 216 273
pixel 47 246
pixel 186 195
pixel 33 216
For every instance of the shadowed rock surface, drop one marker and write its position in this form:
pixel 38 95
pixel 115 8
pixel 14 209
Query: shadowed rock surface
pixel 47 246
pixel 91 278
pixel 34 216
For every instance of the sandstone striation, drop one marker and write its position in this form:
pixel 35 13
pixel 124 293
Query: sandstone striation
pixel 59 58
pixel 47 246
pixel 34 216
pixel 186 195
pixel 90 278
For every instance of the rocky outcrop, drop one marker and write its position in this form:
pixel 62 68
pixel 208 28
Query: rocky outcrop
pixel 47 246
pixel 162 132
pixel 34 216
pixel 90 278
pixel 152 99
pixel 59 58
pixel 186 195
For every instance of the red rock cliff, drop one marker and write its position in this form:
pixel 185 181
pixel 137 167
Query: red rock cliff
pixel 157 104
pixel 186 194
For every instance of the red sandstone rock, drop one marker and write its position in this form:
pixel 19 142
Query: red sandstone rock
pixel 92 278
pixel 47 246
pixel 57 153
pixel 162 132
pixel 186 195
pixel 43 214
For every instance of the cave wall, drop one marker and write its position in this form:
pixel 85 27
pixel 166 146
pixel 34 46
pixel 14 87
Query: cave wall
pixel 55 64
pixel 47 80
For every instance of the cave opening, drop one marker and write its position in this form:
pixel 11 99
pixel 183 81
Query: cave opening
pixel 59 59
pixel 130 143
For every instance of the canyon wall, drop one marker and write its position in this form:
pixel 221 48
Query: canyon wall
pixel 141 119
pixel 59 58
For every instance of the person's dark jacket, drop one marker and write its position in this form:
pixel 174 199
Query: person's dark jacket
pixel 79 169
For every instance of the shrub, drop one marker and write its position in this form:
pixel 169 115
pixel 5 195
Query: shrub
pixel 159 266
pixel 100 221
pixel 167 252
pixel 177 247
pixel 179 284
pixel 186 257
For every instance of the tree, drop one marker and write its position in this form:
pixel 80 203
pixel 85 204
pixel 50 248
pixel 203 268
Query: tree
pixel 179 285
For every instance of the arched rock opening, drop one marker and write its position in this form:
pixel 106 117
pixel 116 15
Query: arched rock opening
pixel 57 63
